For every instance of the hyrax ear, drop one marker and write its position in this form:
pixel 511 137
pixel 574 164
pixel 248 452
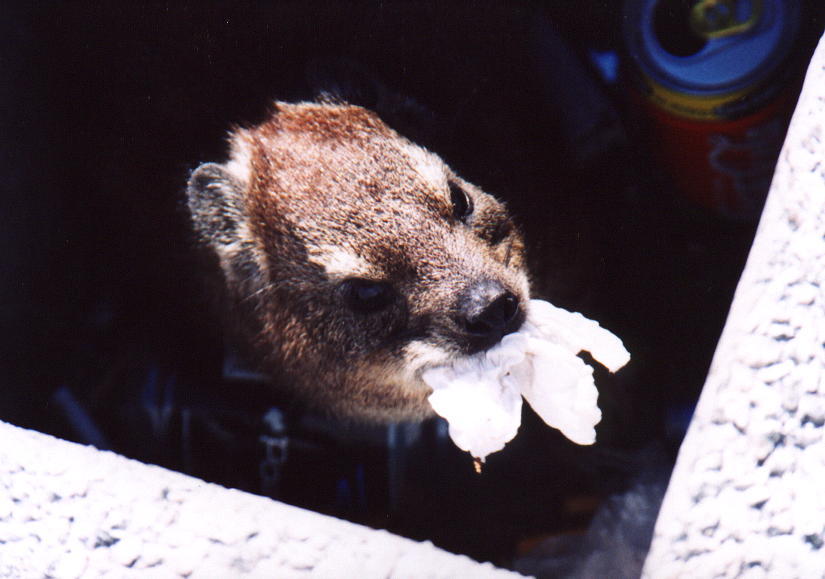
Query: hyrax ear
pixel 216 203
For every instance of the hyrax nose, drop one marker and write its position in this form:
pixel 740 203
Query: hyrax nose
pixel 488 312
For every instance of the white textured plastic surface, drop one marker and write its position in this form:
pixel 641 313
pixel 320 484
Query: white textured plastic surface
pixel 72 511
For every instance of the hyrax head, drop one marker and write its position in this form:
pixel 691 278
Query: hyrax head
pixel 355 259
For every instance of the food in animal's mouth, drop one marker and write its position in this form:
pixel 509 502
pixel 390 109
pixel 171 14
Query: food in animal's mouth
pixel 480 395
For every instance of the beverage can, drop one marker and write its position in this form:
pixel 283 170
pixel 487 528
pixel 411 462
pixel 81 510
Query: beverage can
pixel 716 93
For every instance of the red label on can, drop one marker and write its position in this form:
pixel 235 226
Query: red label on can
pixel 724 165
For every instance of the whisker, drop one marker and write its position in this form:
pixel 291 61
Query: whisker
pixel 258 292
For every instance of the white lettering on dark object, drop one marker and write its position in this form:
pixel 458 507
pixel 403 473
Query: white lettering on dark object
pixel 744 167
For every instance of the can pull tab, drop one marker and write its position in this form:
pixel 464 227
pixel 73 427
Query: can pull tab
pixel 719 18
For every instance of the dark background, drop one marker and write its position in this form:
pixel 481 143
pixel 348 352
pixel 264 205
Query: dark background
pixel 106 108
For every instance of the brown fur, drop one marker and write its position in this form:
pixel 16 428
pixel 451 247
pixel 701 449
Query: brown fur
pixel 324 193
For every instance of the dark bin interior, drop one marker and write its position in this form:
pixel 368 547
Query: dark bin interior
pixel 106 336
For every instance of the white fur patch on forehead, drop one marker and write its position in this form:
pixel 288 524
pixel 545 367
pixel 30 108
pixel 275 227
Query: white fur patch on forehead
pixel 429 166
pixel 340 262
pixel 240 159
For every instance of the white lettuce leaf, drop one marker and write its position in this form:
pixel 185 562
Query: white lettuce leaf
pixel 480 395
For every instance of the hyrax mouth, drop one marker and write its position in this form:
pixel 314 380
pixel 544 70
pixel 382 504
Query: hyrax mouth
pixel 481 325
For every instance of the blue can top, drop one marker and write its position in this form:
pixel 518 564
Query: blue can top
pixel 661 40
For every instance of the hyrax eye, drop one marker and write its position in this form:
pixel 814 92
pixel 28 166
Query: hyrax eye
pixel 363 295
pixel 462 204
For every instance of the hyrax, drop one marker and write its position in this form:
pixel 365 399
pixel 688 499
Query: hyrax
pixel 353 259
